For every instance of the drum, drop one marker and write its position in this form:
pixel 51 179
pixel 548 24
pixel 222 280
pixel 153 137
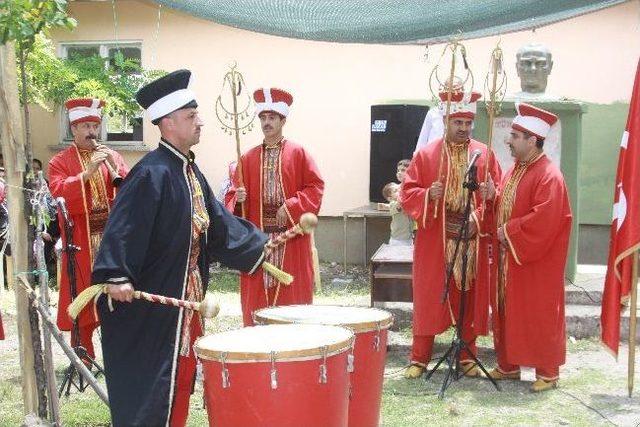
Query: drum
pixel 367 366
pixel 277 375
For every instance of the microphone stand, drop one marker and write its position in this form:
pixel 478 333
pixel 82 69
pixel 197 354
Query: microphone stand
pixel 71 371
pixel 452 355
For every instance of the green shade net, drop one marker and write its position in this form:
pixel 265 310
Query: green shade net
pixel 386 21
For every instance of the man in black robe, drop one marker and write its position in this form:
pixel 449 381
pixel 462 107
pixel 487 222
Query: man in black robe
pixel 165 228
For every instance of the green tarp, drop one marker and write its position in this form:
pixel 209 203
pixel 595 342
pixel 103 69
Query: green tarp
pixel 386 21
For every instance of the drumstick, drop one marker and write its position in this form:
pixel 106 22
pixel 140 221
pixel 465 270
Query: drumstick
pixel 450 89
pixel 308 222
pixel 208 308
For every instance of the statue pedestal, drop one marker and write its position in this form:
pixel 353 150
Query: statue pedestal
pixel 563 146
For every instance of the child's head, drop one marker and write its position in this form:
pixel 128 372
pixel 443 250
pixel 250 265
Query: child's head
pixel 402 169
pixel 390 191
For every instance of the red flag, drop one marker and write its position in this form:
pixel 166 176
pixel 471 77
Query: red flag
pixel 625 227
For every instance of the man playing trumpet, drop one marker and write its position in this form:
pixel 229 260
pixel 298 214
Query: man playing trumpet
pixel 85 175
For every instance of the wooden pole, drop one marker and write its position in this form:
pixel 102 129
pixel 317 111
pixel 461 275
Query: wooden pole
pixel 12 142
pixel 632 324
pixel 43 278
pixel 11 278
pixel 234 90
pixel 491 110
pixel 68 350
pixel 453 47
pixel 234 94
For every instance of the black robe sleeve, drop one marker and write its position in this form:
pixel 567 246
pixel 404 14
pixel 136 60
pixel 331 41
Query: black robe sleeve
pixel 233 241
pixel 129 230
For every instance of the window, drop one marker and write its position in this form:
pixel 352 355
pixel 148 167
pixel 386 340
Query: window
pixel 118 128
pixel 131 53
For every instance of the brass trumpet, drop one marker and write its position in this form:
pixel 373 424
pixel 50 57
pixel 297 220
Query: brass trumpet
pixel 116 179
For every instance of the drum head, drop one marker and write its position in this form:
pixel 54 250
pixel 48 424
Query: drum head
pixel 284 342
pixel 360 319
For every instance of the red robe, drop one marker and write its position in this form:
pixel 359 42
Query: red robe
pixel 430 315
pixel 302 187
pixel 538 232
pixel 65 169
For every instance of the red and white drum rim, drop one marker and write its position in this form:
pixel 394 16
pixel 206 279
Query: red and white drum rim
pixel 266 343
pixel 358 319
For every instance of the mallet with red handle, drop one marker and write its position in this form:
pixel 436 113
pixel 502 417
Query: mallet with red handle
pixel 208 307
pixel 308 222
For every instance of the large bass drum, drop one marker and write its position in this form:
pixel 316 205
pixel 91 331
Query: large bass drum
pixel 277 375
pixel 367 367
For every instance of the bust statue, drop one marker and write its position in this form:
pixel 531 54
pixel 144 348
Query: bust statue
pixel 533 63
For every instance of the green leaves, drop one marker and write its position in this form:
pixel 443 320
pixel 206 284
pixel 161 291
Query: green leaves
pixel 22 20
pixel 52 80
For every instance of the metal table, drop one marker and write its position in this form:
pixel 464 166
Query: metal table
pixel 366 211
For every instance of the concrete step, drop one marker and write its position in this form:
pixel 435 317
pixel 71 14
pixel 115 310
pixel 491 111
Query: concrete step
pixel 586 290
pixel 583 321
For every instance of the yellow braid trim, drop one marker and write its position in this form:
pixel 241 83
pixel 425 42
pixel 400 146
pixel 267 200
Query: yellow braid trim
pixel 317 281
pixel 84 298
pixel 282 276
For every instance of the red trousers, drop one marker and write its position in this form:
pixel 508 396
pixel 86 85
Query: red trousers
pixel 85 338
pixel 185 379
pixel 500 344
pixel 422 347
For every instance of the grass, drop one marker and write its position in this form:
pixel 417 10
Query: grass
pixel 586 380
pixel 10 401
pixel 475 402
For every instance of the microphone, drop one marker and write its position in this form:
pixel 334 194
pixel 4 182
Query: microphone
pixel 63 208
pixel 474 157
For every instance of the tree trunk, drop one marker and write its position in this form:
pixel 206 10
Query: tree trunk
pixel 43 278
pixel 28 182
pixel 13 150
pixel 25 107
pixel 38 361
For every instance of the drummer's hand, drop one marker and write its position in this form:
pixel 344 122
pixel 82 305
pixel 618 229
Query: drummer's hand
pixel 241 194
pixel 122 293
pixel 281 216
